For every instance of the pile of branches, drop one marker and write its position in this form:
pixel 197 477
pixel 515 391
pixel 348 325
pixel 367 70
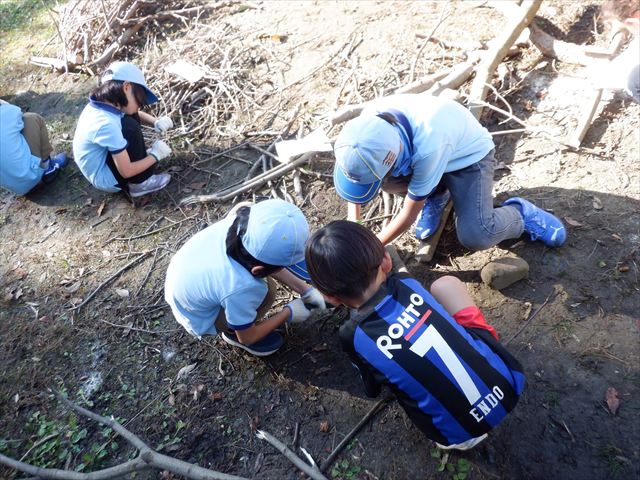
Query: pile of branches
pixel 93 32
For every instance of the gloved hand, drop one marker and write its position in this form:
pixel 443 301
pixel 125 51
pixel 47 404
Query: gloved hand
pixel 313 298
pixel 159 150
pixel 299 313
pixel 163 124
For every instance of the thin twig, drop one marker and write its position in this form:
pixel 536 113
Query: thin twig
pixel 531 317
pixel 292 457
pixel 336 451
pixel 111 278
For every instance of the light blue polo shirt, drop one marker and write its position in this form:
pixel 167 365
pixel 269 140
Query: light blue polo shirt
pixel 446 138
pixel 19 170
pixel 99 131
pixel 202 279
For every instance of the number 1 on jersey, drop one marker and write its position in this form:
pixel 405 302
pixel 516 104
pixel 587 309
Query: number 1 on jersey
pixel 431 338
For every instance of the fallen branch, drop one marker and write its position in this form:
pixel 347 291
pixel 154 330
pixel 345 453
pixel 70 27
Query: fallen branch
pixel 311 471
pixel 147 458
pixel 254 183
pixel 496 53
pixel 336 451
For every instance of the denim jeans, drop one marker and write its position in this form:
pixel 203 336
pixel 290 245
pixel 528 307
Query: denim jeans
pixel 478 224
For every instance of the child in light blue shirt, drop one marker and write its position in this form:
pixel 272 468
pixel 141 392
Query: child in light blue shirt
pixel 220 281
pixel 432 150
pixel 108 144
pixel 25 150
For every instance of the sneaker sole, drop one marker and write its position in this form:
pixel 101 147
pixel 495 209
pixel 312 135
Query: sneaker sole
pixel 461 446
pixel 147 192
pixel 246 348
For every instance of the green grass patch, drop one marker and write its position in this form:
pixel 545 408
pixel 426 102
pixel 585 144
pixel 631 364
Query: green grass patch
pixel 21 14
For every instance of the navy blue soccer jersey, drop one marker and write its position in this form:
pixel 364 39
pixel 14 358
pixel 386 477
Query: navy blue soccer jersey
pixel 454 383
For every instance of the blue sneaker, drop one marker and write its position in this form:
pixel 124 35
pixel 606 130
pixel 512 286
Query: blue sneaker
pixel 540 225
pixel 268 345
pixel 430 215
pixel 56 163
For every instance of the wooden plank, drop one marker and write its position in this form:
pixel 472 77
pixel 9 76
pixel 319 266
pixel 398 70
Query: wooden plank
pixel 427 248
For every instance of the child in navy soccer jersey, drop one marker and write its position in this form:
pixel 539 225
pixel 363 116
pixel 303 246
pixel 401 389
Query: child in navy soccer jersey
pixel 435 350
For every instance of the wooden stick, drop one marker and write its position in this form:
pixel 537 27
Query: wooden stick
pixel 444 14
pixel 111 278
pixel 336 451
pixel 496 53
pixel 255 182
pixel 591 105
pixel 533 315
pixel 427 248
pixel 292 457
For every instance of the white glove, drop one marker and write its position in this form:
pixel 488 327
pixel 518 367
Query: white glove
pixel 159 150
pixel 163 124
pixel 299 312
pixel 313 298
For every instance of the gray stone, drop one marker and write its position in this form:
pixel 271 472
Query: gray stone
pixel 503 272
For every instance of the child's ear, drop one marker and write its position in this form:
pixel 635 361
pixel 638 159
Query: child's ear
pixel 257 270
pixel 387 264
pixel 333 300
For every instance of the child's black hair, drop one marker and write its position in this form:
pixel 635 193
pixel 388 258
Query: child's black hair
pixel 112 91
pixel 343 259
pixel 236 250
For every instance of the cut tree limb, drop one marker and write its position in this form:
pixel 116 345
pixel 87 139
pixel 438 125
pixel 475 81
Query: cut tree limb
pixel 590 107
pixel 499 48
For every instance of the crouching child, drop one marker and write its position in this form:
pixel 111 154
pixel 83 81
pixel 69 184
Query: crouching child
pixel 434 350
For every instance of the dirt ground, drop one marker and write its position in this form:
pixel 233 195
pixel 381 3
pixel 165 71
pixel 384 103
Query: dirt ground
pixel 121 353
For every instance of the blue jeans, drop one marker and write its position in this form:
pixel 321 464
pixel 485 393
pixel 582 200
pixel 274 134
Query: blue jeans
pixel 478 224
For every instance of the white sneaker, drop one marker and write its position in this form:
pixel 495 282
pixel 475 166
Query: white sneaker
pixel 150 185
pixel 468 445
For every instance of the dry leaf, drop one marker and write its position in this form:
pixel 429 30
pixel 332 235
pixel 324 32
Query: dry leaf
pixel 623 268
pixel 73 288
pixel 616 237
pixel 611 397
pixel 185 371
pixel 101 208
pixel 197 390
pixel 216 396
pixel 324 426
pixel 106 253
pixel 20 272
pixel 322 370
pixel 197 185
pixel 597 203
pixel 122 292
pixel 572 222
pixel 172 399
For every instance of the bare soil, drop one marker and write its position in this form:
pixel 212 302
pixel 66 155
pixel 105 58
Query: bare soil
pixel 121 353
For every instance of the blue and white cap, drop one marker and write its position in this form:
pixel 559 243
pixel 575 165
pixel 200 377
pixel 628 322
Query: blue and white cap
pixel 365 151
pixel 276 233
pixel 128 72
